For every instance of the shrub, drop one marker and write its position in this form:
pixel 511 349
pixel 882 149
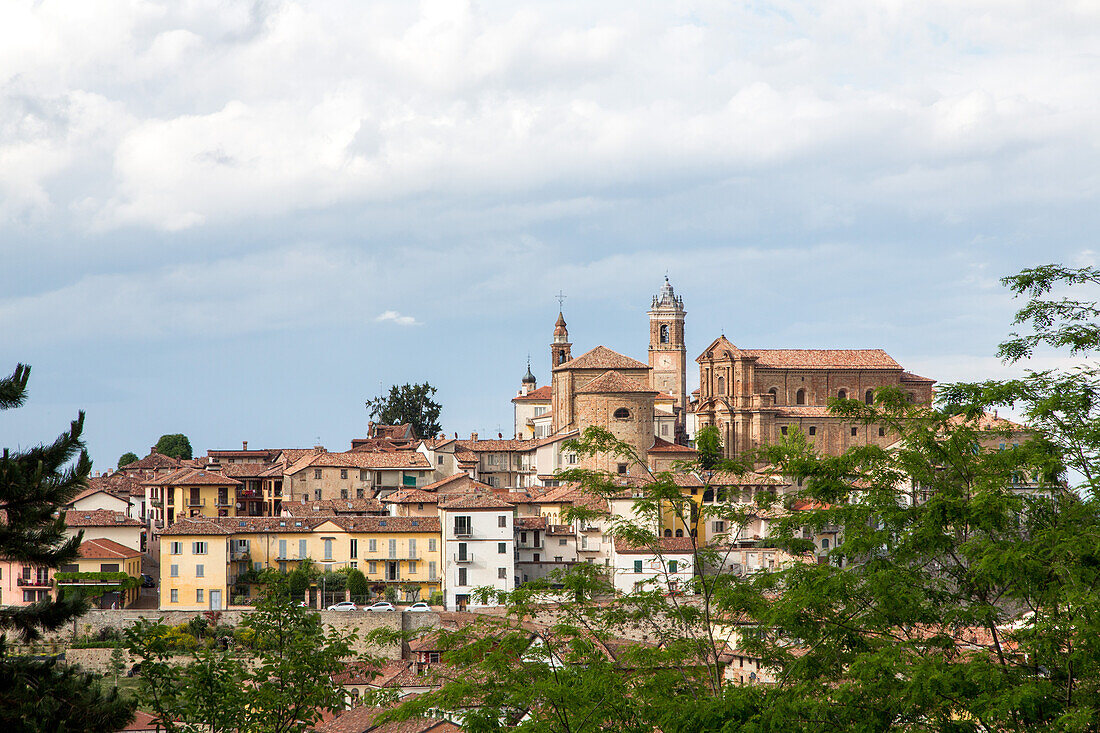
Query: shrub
pixel 357 582
pixel 391 594
pixel 436 599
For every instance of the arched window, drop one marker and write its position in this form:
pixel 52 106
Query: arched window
pixel 679 533
pixel 622 413
pixel 775 395
pixel 824 543
pixel 869 397
pixel 910 397
pixel 721 385
pixel 668 533
pixel 664 333
pixel 842 394
pixel 800 397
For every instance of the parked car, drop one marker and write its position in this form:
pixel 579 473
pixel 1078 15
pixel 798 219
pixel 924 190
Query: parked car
pixel 342 606
pixel 380 606
pixel 147 581
pixel 420 607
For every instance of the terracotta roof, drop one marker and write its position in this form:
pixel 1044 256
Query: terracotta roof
pixel 98 518
pixel 530 523
pixel 411 496
pixel 664 397
pixel 361 719
pixel 290 455
pixel 143 722
pixel 460 482
pixel 245 470
pixel 153 460
pixel 194 477
pixel 92 490
pixel 331 507
pixel 553 530
pixel 193 526
pixel 474 501
pixel 674 545
pixel 464 456
pixel 660 445
pixel 362 459
pixel 805 358
pixel 498 445
pixel 104 549
pixel 728 478
pixel 613 382
pixel 542 394
pixel 388 524
pixel 118 483
pixel 987 421
pixel 601 357
pixel 910 377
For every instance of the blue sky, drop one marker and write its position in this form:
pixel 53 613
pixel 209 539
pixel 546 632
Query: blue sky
pixel 236 220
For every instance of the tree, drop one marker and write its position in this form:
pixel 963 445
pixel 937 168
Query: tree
pixel 34 484
pixel 282 688
pixel 409 403
pixel 708 442
pixel 126 459
pixel 175 445
pixel 960 595
pixel 357 583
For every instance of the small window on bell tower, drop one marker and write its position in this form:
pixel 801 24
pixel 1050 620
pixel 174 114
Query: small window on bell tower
pixel 664 333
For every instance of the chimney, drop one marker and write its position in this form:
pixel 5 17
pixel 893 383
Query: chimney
pixel 473 436
pixel 152 450
pixel 244 445
pixel 318 449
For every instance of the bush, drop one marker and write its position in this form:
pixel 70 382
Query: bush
pixel 436 599
pixel 391 594
pixel 197 626
pixel 357 583
pixel 239 600
pixel 180 638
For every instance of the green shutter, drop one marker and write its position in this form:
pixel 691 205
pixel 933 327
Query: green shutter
pixel 407 480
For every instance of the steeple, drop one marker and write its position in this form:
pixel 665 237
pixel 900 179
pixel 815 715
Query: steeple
pixel 560 349
pixel 667 348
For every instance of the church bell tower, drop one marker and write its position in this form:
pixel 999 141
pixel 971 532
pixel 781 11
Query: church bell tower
pixel 667 348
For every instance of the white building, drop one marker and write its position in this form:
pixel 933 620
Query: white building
pixel 670 570
pixel 478 547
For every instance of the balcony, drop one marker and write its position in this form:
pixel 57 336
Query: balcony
pixel 590 547
pixel 222 502
pixel 464 559
pixel 156 502
pixel 37 582
pixel 196 501
pixel 240 555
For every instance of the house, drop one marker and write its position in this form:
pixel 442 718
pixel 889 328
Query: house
pixel 103 556
pixel 106 524
pixel 478 547
pixel 191 492
pixel 669 566
pixel 355 474
pixel 400 552
pixel 23 583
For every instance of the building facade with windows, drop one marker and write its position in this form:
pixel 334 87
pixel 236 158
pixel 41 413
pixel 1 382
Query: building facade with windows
pixel 478 547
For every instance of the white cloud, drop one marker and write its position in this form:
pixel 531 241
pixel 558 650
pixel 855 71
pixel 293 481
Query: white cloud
pixel 397 318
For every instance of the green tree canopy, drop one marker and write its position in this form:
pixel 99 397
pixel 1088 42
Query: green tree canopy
pixel 34 484
pixel 126 459
pixel 175 445
pixel 409 403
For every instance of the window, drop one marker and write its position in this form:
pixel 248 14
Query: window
pixel 721 385
pixel 622 469
pixel 869 397
pixel 621 414
pixel 783 430
pixel 491 459
pixel 177 548
pixel 502 573
pixel 664 333
pixel 502 548
pixel 328 548
pixel 316 473
pixel 412 548
pixel 536 557
pixel 303 550
pixel 343 493
pixel 354 549
pixel 393 548
pixel 200 571
pixel 462 525
pixel 431 570
pixel 343 473
pixel 562 541
pixel 668 533
pixel 198 548
pixel 462 576
pixel 199 595
pixel 175 595
pixel 439 460
pixel 637 566
pixel 679 533
pixel 672 566
pixel 372 545
pixel 719 526
pixel 502 520
pixel 412 566
pixel 431 544
pixel 824 543
pixel 775 395
pixel 317 495
pixel 882 432
pixel 175 571
pixel 842 394
pixel 855 432
pixel 372 567
pixel 282 548
pixel 813 430
pixel 571 458
pixel 800 397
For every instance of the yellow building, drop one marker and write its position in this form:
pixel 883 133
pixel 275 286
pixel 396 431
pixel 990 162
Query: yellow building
pixel 191 492
pixel 194 565
pixel 401 552
pixel 103 556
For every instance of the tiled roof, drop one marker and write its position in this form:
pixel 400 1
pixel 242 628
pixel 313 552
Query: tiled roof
pixel 910 377
pixel 670 545
pixel 388 524
pixel 986 421
pixel 803 411
pixel 530 523
pixel 362 459
pixel 411 496
pixel 542 394
pixel 558 530
pixel 98 518
pixel 106 550
pixel 92 490
pixel 601 357
pixel 193 526
pixel 361 719
pixel 153 460
pixel 460 482
pixel 290 455
pixel 119 483
pixel 331 506
pixel 664 397
pixel 660 445
pixel 474 501
pixel 613 382
pixel 752 478
pixel 496 446
pixel 194 477
pixel 822 358
pixel 464 456
pixel 245 470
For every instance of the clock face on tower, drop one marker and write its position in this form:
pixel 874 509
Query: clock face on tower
pixel 665 361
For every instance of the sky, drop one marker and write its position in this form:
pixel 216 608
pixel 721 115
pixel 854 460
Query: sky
pixel 238 221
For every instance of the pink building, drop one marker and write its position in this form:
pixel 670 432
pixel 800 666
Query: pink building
pixel 22 585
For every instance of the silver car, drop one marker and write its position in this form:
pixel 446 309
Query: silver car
pixel 380 606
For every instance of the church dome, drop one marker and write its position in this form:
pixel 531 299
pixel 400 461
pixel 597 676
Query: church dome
pixel 528 378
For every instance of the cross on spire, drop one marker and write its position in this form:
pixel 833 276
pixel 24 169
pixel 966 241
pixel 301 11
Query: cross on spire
pixel 561 299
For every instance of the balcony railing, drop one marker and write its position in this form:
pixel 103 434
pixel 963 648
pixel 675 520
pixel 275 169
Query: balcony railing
pixel 590 547
pixel 34 582
pixel 240 555
pixel 467 558
pixel 196 502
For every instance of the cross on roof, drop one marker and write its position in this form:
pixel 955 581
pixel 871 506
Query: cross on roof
pixel 561 299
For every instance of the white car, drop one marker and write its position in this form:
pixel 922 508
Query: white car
pixel 342 606
pixel 380 606
pixel 421 607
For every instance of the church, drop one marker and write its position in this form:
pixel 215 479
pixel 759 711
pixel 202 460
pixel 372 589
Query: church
pixel 753 396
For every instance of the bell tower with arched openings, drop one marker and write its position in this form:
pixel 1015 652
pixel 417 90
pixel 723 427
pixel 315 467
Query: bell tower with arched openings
pixel 667 348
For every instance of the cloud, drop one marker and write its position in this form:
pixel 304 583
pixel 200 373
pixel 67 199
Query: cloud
pixel 397 318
